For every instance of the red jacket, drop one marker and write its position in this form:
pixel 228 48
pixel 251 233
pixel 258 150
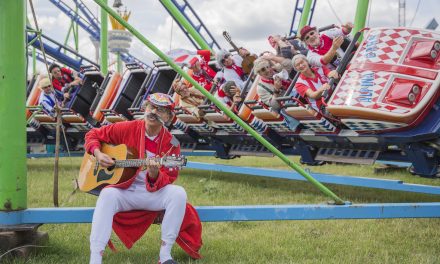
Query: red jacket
pixel 130 226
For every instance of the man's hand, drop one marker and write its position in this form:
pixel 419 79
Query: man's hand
pixel 347 27
pixel 333 74
pixel 103 159
pixel 75 82
pixel 234 90
pixel 268 55
pixel 326 86
pixel 243 52
pixel 153 168
pixel 277 84
pixel 337 42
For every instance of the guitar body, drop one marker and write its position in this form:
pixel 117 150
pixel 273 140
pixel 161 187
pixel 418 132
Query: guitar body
pixel 248 63
pixel 96 177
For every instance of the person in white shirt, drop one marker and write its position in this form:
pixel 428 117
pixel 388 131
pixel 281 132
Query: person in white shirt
pixel 231 68
pixel 47 98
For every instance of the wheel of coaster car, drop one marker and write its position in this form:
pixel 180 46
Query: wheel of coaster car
pixel 315 163
pixel 226 156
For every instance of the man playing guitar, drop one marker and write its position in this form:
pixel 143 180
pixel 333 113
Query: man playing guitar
pixel 124 205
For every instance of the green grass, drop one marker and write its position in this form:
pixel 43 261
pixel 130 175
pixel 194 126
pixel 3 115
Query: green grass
pixel 325 241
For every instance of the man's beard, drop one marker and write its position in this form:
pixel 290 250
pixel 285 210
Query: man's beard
pixel 154 116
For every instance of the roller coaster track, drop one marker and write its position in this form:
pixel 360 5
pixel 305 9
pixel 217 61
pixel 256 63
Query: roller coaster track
pixel 297 12
pixel 91 25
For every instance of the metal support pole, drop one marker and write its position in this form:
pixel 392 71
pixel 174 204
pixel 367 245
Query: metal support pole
pixel 119 62
pixel 220 105
pixel 104 29
pixel 361 16
pixel 174 11
pixel 13 188
pixel 305 14
pixel 34 62
pixel 76 32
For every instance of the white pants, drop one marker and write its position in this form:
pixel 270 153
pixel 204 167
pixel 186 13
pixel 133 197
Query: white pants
pixel 171 198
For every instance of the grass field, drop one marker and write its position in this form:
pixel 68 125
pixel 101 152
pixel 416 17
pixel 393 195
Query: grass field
pixel 326 241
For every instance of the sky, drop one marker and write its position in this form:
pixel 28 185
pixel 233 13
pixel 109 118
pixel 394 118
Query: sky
pixel 249 22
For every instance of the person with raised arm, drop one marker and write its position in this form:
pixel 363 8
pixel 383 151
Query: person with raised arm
pixel 325 47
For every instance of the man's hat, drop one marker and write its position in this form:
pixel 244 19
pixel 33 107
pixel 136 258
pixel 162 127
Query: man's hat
pixel 305 30
pixel 260 63
pixel 193 61
pixel 160 99
pixel 220 56
pixel 44 82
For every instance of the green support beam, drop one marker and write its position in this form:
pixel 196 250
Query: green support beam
pixel 104 47
pixel 220 105
pixel 174 11
pixel 66 40
pixel 305 14
pixel 361 17
pixel 13 188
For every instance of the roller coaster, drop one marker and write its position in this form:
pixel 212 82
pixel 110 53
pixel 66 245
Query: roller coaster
pixel 385 107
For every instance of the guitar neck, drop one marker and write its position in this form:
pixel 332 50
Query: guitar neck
pixel 133 163
pixel 234 47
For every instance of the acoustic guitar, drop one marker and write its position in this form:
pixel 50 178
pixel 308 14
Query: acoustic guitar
pixel 248 60
pixel 94 176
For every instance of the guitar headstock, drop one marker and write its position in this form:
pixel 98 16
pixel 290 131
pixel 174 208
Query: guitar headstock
pixel 174 161
pixel 227 36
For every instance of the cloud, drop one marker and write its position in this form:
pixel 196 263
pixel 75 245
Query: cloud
pixel 249 22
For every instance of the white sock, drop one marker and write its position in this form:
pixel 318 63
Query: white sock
pixel 96 257
pixel 165 251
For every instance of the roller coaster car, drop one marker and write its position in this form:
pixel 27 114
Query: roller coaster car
pixel 388 98
pixel 392 82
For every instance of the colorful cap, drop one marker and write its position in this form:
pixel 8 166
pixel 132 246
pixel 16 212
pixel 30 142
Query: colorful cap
pixel 161 99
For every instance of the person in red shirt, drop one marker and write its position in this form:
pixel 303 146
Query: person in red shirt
pixel 130 207
pixel 312 82
pixel 201 72
pixel 325 47
pixel 64 80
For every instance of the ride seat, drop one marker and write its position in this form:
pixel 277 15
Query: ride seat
pixel 34 96
pixel 108 95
